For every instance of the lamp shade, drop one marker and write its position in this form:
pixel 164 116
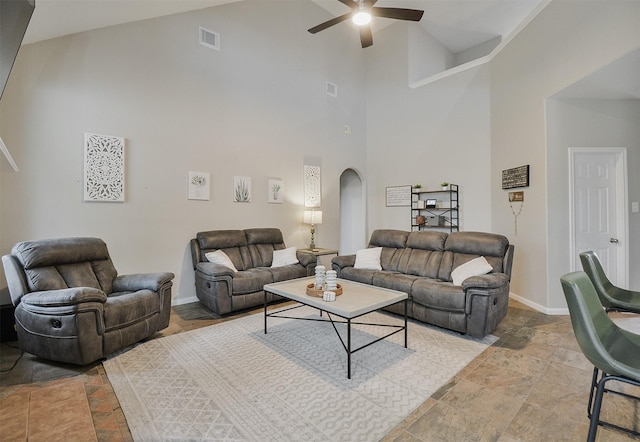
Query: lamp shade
pixel 313 217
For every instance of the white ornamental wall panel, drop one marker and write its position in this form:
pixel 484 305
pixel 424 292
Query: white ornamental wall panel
pixel 312 186
pixel 103 168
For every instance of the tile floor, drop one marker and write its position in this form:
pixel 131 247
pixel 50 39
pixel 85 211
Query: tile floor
pixel 531 385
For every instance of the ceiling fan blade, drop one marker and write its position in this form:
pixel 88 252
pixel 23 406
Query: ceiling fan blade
pixel 369 3
pixel 397 13
pixel 349 3
pixel 366 36
pixel 328 23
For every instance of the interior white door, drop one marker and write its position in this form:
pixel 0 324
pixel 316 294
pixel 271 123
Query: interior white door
pixel 599 209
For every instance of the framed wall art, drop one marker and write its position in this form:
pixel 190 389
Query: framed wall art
pixel 398 196
pixel 241 189
pixel 275 191
pixel 516 177
pixel 312 186
pixel 199 186
pixel 103 168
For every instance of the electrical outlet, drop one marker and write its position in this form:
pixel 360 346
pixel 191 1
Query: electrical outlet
pixel 635 207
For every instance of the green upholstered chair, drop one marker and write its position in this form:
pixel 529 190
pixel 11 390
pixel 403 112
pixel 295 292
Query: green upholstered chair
pixel 611 297
pixel 613 351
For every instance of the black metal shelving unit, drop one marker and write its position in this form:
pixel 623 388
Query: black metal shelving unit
pixel 446 214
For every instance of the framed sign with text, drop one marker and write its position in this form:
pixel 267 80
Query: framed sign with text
pixel 397 196
pixel 516 177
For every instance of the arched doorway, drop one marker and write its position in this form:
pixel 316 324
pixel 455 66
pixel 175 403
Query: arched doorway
pixel 352 213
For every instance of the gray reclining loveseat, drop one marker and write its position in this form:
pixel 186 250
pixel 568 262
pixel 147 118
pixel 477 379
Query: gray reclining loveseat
pixel 421 263
pixel 224 290
pixel 71 305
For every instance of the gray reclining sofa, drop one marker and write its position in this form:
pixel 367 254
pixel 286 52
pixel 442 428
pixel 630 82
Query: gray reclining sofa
pixel 251 251
pixel 420 264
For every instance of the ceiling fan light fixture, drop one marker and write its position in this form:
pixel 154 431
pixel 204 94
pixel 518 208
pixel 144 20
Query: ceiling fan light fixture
pixel 361 18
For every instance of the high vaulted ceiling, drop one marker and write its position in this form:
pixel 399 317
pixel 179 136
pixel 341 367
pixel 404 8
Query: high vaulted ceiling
pixel 457 24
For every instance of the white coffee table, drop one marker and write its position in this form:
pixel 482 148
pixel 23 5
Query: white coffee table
pixel 356 300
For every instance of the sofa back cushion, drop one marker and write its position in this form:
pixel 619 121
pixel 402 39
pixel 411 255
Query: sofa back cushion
pixel 53 264
pixel 262 243
pixel 423 253
pixel 247 249
pixel 392 243
pixel 461 247
pixel 232 242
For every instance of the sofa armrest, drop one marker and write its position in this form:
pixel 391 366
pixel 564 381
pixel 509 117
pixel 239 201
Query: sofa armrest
pixel 140 281
pixel 340 262
pixel 486 304
pixel 306 259
pixel 488 281
pixel 64 297
pixel 212 270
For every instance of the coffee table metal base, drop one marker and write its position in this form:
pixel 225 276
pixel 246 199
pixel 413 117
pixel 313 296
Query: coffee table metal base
pixel 349 321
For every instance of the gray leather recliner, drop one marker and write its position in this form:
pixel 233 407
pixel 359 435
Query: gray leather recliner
pixel 71 305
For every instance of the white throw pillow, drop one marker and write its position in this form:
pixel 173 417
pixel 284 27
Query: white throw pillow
pixel 284 257
pixel 368 259
pixel 475 267
pixel 219 257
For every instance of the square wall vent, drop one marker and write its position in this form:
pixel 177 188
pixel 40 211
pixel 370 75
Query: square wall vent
pixel 209 38
pixel 332 89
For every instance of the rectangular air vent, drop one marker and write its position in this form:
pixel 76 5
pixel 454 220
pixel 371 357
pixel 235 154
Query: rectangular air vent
pixel 209 38
pixel 332 89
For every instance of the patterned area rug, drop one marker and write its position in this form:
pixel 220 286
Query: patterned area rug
pixel 231 382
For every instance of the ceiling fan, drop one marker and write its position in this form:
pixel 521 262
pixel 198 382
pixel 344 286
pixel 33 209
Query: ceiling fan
pixel 361 13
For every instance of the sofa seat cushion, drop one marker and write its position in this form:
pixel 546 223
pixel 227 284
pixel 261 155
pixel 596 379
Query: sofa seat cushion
pixel 364 276
pixel 252 280
pixel 439 295
pixel 287 272
pixel 125 308
pixel 394 281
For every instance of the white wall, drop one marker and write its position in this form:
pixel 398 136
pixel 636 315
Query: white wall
pixel 564 43
pixel 591 123
pixel 257 108
pixel 434 133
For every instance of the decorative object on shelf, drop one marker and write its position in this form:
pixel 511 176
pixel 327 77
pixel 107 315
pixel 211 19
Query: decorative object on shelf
pixel 312 186
pixel 417 186
pixel 435 209
pixel 103 168
pixel 444 185
pixel 313 217
pixel 198 186
pixel 397 196
pixel 241 189
pixel 275 191
pixel 516 177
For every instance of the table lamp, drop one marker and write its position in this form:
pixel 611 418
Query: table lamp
pixel 313 217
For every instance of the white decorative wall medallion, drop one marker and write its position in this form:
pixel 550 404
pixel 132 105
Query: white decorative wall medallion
pixel 312 188
pixel 103 168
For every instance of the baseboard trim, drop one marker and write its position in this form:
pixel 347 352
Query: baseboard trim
pixel 538 307
pixel 182 301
